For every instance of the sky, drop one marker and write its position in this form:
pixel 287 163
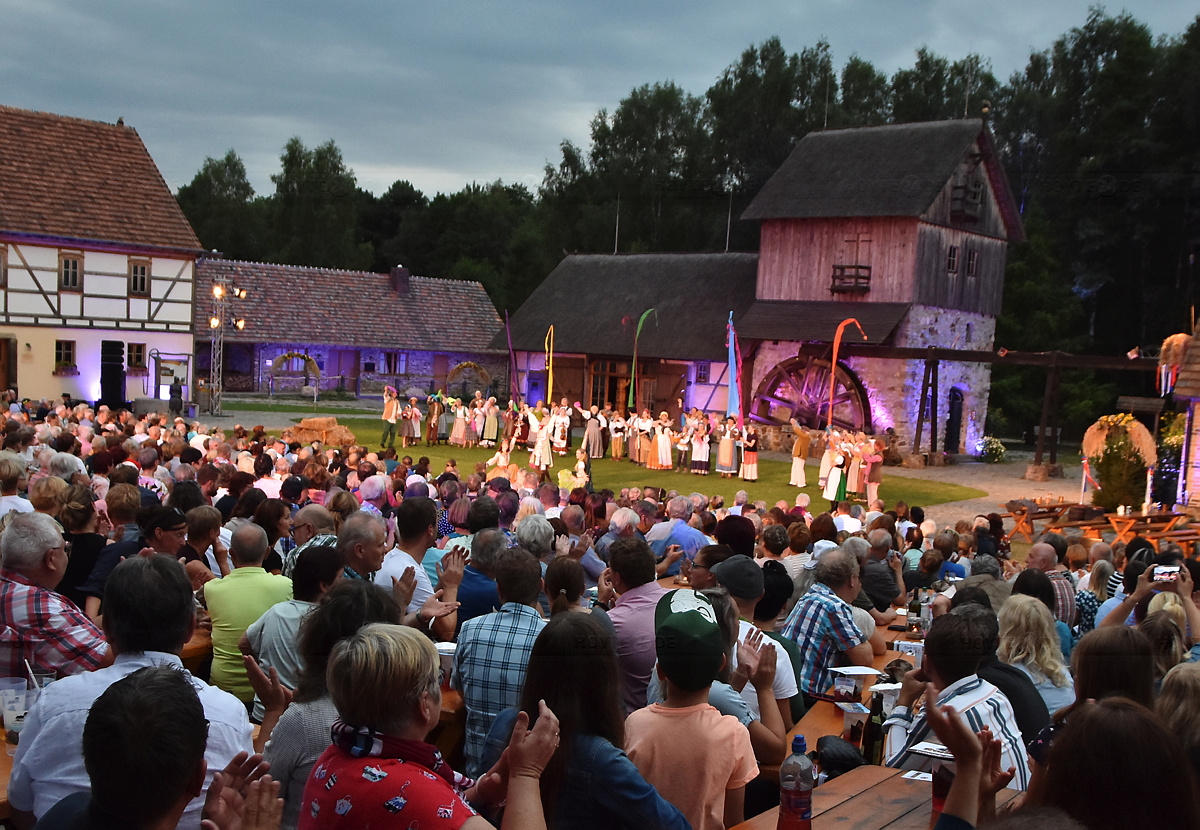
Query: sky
pixel 446 93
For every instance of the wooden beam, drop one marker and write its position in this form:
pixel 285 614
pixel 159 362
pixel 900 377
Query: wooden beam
pixel 1064 360
pixel 933 405
pixel 921 410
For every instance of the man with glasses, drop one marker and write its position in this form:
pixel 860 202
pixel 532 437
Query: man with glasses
pixel 312 526
pixel 40 626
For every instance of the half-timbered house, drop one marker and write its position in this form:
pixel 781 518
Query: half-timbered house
pixel 96 261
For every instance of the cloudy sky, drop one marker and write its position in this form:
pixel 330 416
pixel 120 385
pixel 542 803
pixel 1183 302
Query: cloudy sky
pixel 444 93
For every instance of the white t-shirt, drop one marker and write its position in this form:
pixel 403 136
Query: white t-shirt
pixel 785 675
pixel 270 486
pixel 395 563
pixel 11 503
pixel 847 523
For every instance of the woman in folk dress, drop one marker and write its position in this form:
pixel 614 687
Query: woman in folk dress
pixel 799 454
pixel 491 423
pixel 749 470
pixel 660 452
pixel 645 437
pixel 700 448
pixel 540 457
pixel 475 422
pixel 501 462
pixel 832 439
pixel 414 422
pixel 593 424
pixel 616 436
pixel 727 438
pixel 458 433
pixel 873 464
pixel 560 423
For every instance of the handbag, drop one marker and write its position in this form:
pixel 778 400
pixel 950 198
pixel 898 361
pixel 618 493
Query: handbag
pixel 836 755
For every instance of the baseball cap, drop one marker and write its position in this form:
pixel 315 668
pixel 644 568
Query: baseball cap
pixel 688 639
pixel 741 576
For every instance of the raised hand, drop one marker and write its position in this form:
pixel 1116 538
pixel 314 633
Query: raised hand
pixel 404 587
pixel 450 570
pixel 272 693
pixel 530 750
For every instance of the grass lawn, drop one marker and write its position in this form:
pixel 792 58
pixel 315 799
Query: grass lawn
pixel 772 484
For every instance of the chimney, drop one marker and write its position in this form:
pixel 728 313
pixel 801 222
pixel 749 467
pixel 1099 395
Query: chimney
pixel 400 279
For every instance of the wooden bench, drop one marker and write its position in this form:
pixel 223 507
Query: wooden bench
pixel 1092 528
pixel 1185 537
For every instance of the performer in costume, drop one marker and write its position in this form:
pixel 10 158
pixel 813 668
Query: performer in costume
pixel 873 461
pixel 799 454
pixel 436 410
pixel 831 438
pixel 700 447
pixel 458 433
pixel 391 411
pixel 749 470
pixel 605 435
pixel 660 452
pixel 593 428
pixel 727 438
pixel 645 437
pixel 491 423
pixel 540 458
pixel 616 436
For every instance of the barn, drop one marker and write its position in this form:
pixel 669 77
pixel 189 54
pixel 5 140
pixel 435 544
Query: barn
pixel 903 228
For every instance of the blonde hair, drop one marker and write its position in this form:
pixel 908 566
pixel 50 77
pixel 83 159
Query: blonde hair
pixel 47 495
pixel 1177 703
pixel 1169 603
pixel 530 506
pixel 1077 557
pixel 342 505
pixel 1098 583
pixel 1028 637
pixel 377 676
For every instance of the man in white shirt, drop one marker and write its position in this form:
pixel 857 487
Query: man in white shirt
pixel 844 521
pixel 149 615
pixel 10 478
pixel 744 580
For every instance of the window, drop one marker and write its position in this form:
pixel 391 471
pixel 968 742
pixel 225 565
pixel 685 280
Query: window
pixel 973 263
pixel 702 372
pixel 395 363
pixel 139 277
pixel 952 260
pixel 70 272
pixel 136 355
pixel 64 353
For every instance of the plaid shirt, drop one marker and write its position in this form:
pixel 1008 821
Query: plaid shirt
pixel 489 669
pixel 45 628
pixel 1064 595
pixel 822 626
pixel 323 540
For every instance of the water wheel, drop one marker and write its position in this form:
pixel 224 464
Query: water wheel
pixel 799 388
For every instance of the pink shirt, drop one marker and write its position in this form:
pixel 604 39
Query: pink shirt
pixel 633 618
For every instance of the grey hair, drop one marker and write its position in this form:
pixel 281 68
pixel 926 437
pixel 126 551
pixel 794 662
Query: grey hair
pixel 356 530
pixel 623 518
pixel 27 539
pixel 741 497
pixel 486 546
pixel 64 465
pixel 985 563
pixel 536 535
pixel 835 568
pixel 680 507
pixel 857 546
pixel 374 487
pixel 248 544
pixel 880 539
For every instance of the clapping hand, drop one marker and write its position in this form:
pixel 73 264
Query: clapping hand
pixel 271 692
pixel 434 607
pixel 450 570
pixel 404 587
pixel 530 750
pixel 227 808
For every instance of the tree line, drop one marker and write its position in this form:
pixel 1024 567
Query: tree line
pixel 1098 134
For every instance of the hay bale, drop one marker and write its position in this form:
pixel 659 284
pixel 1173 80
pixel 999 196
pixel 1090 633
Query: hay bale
pixel 318 424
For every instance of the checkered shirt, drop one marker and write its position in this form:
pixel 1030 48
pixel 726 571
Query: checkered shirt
pixel 822 626
pixel 45 628
pixel 489 669
pixel 324 540
pixel 1064 595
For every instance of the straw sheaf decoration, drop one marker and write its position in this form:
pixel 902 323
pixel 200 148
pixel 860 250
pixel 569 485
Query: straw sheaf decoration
pixel 1174 350
pixel 1095 440
pixel 310 364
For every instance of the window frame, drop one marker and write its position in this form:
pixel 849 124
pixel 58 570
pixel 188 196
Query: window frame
pixel 129 352
pixel 395 363
pixel 703 371
pixel 972 263
pixel 130 277
pixel 63 258
pixel 952 260
pixel 61 347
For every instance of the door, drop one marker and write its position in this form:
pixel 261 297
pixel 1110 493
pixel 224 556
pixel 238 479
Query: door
pixel 954 422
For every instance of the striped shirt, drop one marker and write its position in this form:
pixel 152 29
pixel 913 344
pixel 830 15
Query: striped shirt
pixel 489 669
pixel 982 704
pixel 1064 596
pixel 822 626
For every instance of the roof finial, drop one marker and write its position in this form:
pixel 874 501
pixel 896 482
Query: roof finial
pixel 120 121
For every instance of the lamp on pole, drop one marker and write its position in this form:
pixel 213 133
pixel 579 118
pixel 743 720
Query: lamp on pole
pixel 223 291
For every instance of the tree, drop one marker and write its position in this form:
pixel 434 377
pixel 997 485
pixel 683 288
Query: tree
pixel 865 95
pixel 221 207
pixel 316 212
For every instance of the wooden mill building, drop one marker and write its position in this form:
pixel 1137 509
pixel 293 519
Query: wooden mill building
pixel 902 227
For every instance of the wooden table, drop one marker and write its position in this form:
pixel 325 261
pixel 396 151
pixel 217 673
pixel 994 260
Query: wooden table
pixel 450 734
pixel 6 763
pixel 868 798
pixel 1023 519
pixel 1132 524
pixel 197 649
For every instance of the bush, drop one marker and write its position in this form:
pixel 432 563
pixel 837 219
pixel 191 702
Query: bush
pixel 990 449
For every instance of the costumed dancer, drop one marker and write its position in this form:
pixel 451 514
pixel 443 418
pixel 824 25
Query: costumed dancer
pixel 458 433
pixel 593 430
pixel 799 454
pixel 854 478
pixel 540 457
pixel 749 470
pixel 491 423
pixel 436 410
pixel 873 461
pixel 475 421
pixel 727 437
pixel 831 440
pixel 405 425
pixel 560 425
pixel 391 411
pixel 660 451
pixel 500 463
pixel 415 416
pixel 700 448
pixel 605 436
pixel 616 436
pixel 645 437
pixel 835 483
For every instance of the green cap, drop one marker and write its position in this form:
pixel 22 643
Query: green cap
pixel 688 639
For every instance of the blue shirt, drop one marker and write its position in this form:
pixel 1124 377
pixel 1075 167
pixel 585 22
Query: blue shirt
pixel 602 788
pixel 477 595
pixel 489 669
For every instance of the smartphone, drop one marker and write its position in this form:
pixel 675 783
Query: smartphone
pixel 1166 573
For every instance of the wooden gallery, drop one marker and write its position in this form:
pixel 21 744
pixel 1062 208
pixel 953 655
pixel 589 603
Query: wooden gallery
pixel 903 228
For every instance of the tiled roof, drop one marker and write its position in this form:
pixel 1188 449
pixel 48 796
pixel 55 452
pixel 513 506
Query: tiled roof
pixel 594 302
pixel 86 180
pixel 358 309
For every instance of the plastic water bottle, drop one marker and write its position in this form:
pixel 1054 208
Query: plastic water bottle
pixel 795 789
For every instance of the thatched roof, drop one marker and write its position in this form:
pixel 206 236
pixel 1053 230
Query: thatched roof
pixel 594 303
pixel 1187 385
pixel 893 170
pixel 818 320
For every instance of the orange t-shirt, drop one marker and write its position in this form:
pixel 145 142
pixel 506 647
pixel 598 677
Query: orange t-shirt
pixel 691 756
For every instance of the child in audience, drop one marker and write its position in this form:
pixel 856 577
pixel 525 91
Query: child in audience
pixel 697 758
